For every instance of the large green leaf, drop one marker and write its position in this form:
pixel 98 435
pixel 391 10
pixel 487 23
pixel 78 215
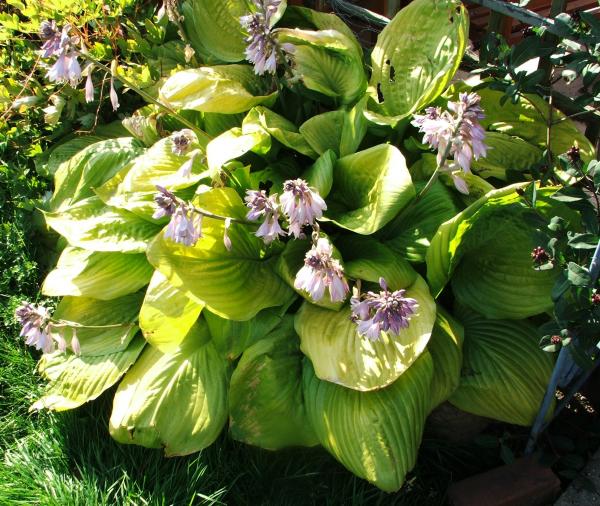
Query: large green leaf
pixel 338 354
pixel 89 168
pixel 264 120
pixel 265 397
pixel 327 62
pixel 118 315
pixel 134 186
pixel 234 284
pixel 320 174
pixel 167 314
pixel 416 56
pixel 411 238
pixel 233 144
pixel 97 274
pixel 368 260
pixel 60 153
pixel 232 337
pixel 93 225
pixel 369 188
pixel 505 373
pixel 506 153
pixel 376 435
pixel 226 89
pixel 76 379
pixel 487 251
pixel 528 119
pixel 214 28
pixel 173 400
pixel 341 131
pixel 445 347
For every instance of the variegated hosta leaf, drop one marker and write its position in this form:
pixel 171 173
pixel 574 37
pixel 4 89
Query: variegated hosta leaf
pixel 91 224
pixel 327 62
pixel 119 316
pixel 133 187
pixel 486 250
pixel 97 274
pixel 174 400
pixel 62 152
pixel 368 259
pixel 167 314
pixel 505 373
pixel 341 131
pixel 412 237
pixel 369 188
pixel 445 348
pixel 90 168
pixel 506 153
pixel 234 284
pixel 76 379
pixel 262 119
pixel 339 355
pixel 376 435
pixel 265 396
pixel 415 57
pixel 226 89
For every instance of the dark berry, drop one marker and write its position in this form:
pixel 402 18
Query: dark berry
pixel 596 298
pixel 539 255
pixel 556 340
pixel 573 154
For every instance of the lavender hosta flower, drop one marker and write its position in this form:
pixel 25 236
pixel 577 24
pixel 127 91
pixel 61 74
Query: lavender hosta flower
pixel 263 205
pixel 383 312
pixel 182 141
pixel 262 49
pixel 185 226
pixel 166 203
pixel 321 271
pixel 51 36
pixel 458 128
pixel 66 68
pixel 34 320
pixel 301 205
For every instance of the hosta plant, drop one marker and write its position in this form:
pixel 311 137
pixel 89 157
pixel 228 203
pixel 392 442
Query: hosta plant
pixel 317 247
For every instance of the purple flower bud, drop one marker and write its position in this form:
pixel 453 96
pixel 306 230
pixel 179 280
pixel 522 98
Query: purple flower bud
pixel 301 205
pixel 114 99
pixel 322 271
pixel 226 239
pixel 383 312
pixel 89 86
pixel 166 203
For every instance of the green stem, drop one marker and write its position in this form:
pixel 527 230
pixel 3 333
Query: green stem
pixel 203 137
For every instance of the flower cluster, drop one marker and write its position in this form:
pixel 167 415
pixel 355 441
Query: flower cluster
pixel 38 332
pixel 455 132
pixel 262 49
pixel 322 271
pixel 185 226
pixel 66 68
pixel 385 311
pixel 263 205
pixel 300 204
pixel 182 143
pixel 59 43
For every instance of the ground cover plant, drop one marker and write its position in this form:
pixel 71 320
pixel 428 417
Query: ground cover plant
pixel 305 242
